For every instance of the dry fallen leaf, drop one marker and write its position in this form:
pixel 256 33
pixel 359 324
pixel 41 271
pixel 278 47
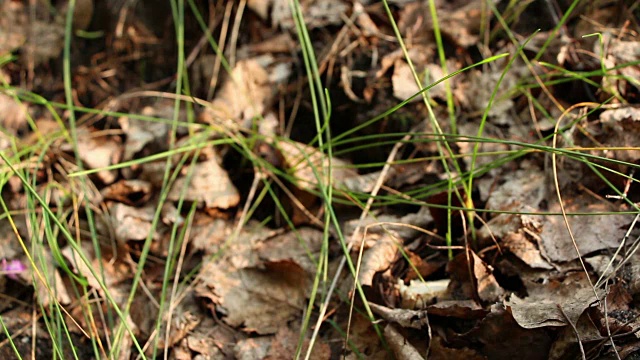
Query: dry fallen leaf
pixel 416 319
pixel 257 300
pixel 591 232
pixel 143 135
pixel 480 285
pixel 210 340
pixel 401 347
pixel 378 257
pixel 541 307
pixel 439 351
pixel 98 151
pixel 244 96
pixel 459 20
pixel 285 342
pixel 128 192
pixel 131 223
pixel 209 185
pixel 307 164
pixel 503 338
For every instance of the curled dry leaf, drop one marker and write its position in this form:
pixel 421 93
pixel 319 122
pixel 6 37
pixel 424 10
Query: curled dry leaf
pixel 526 246
pixel 378 257
pixel 461 309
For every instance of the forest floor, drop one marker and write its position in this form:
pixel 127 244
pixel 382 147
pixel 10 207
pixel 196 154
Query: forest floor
pixel 319 179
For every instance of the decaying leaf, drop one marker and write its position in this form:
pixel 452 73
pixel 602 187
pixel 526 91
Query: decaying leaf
pixel 363 338
pixel 566 342
pixel 252 348
pixel 54 286
pixel 40 35
pixel 262 281
pixel 14 114
pixel 12 26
